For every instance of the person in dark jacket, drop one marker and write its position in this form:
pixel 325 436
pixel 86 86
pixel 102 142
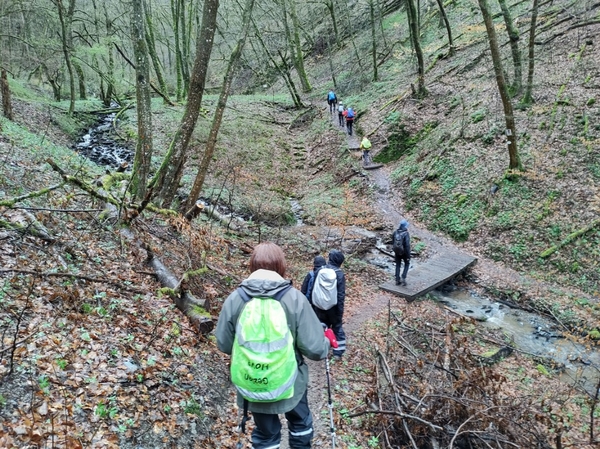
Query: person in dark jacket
pixel 308 283
pixel 333 317
pixel 402 231
pixel 268 267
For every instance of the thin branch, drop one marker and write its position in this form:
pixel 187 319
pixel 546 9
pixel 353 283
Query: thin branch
pixel 395 413
pixel 75 276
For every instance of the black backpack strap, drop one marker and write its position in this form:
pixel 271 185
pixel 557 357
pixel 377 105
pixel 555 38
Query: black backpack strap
pixel 245 416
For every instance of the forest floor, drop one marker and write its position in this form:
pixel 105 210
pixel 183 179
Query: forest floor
pixel 93 356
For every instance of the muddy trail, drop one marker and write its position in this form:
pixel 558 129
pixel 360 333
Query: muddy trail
pixel 531 333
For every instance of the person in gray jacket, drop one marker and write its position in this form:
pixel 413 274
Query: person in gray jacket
pixel 267 264
pixel 401 244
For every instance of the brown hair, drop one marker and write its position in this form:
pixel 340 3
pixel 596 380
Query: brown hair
pixel 268 256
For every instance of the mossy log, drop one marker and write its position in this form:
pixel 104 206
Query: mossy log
pixel 191 307
pixel 11 202
pixel 573 236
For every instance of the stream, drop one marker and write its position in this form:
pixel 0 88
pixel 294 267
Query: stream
pixel 100 144
pixel 530 333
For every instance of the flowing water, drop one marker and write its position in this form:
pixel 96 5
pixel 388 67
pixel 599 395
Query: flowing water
pixel 100 146
pixel 529 332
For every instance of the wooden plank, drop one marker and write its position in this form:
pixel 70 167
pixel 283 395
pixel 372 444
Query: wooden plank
pixel 431 274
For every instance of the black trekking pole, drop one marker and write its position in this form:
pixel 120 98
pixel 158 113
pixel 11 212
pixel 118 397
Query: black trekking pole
pixel 330 402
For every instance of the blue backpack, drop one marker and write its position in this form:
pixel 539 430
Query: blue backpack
pixel 350 113
pixel 331 96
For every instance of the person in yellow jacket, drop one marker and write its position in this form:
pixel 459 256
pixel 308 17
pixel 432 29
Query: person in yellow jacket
pixel 365 145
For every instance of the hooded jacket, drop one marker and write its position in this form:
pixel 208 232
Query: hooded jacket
pixel 403 226
pixel 336 259
pixel 317 264
pixel 305 328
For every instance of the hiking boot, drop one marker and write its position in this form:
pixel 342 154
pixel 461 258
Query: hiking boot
pixel 398 282
pixel 403 282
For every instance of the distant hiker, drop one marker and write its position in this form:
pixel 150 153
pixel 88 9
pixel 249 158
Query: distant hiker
pixel 401 246
pixel 331 101
pixel 365 145
pixel 341 110
pixel 266 312
pixel 349 119
pixel 309 280
pixel 328 297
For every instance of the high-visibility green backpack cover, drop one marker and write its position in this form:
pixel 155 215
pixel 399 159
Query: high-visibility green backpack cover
pixel 263 360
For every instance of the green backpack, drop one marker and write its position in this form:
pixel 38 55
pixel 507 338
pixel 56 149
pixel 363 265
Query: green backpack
pixel 263 359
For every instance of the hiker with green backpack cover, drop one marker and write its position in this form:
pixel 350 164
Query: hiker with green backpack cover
pixel 268 327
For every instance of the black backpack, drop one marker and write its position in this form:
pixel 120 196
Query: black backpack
pixel 398 242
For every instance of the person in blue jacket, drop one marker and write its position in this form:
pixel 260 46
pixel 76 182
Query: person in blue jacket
pixel 331 101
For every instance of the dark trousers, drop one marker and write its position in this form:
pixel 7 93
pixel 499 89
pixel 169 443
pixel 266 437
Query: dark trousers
pixel 399 260
pixel 366 157
pixel 341 118
pixel 331 319
pixel 267 433
pixel 349 123
pixel 332 104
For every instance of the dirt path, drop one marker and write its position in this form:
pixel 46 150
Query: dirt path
pixel 389 208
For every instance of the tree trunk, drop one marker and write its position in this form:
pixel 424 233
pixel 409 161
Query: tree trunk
pixel 416 40
pixel 298 56
pixel 283 69
pixel 5 90
pixel 151 44
pixel 185 72
pixel 331 8
pixel 143 150
pixel 513 36
pixel 527 98
pixel 511 134
pixel 373 39
pixel 81 79
pixel 222 103
pixel 169 174
pixel 448 28
pixel 65 16
pixel 178 62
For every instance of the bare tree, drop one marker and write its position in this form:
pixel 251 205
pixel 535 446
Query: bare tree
pixel 5 90
pixel 65 15
pixel 373 39
pixel 527 98
pixel 513 37
pixel 151 44
pixel 448 28
pixel 143 151
pixel 222 103
pixel 413 23
pixel 167 178
pixel 511 134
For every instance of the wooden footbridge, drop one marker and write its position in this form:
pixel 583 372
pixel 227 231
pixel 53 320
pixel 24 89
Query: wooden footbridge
pixel 431 274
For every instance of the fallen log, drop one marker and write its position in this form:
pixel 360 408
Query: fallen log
pixel 573 236
pixel 191 307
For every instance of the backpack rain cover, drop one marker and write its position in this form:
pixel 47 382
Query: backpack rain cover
pixel 324 294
